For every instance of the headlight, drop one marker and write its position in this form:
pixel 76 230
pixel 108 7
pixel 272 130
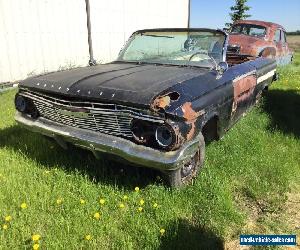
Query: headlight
pixel 164 136
pixel 21 104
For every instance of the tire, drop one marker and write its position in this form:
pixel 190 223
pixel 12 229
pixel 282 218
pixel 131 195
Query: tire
pixel 188 170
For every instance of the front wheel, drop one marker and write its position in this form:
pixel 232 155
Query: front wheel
pixel 189 169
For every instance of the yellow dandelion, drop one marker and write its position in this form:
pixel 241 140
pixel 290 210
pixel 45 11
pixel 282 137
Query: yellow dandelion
pixel 97 216
pixel 82 201
pixel 23 205
pixel 5 226
pixel 88 237
pixel 125 197
pixel 58 201
pixel 136 189
pixel 46 172
pixel 36 237
pixel 162 231
pixel 142 202
pixel 140 209
pixel 121 205
pixel 155 205
pixel 36 246
pixel 8 218
pixel 101 201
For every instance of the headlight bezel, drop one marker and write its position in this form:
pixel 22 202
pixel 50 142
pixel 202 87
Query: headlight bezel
pixel 21 103
pixel 146 134
pixel 169 132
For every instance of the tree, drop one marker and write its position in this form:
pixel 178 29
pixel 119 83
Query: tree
pixel 238 11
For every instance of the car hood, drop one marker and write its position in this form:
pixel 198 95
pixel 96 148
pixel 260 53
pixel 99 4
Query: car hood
pixel 115 82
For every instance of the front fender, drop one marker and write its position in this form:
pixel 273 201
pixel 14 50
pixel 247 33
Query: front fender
pixel 268 52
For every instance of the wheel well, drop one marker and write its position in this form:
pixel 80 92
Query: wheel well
pixel 210 129
pixel 266 88
pixel 268 52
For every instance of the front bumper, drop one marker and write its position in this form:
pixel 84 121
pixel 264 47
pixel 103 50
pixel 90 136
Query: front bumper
pixel 98 142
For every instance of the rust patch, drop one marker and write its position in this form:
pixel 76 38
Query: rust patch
pixel 243 89
pixel 161 102
pixel 188 113
pixel 269 53
pixel 234 106
pixel 191 133
pixel 179 138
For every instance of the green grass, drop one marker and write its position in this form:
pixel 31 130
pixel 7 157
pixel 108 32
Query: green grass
pixel 243 187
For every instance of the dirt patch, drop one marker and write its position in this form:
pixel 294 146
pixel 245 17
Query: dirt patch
pixel 289 216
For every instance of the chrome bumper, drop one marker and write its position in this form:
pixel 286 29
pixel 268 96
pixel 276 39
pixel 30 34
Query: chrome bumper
pixel 97 142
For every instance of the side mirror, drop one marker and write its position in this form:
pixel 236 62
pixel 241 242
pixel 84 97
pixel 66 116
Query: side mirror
pixel 222 67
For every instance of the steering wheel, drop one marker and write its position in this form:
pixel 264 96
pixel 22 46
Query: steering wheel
pixel 199 53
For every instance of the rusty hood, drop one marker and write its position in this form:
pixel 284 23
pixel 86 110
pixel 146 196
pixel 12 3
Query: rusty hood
pixel 121 82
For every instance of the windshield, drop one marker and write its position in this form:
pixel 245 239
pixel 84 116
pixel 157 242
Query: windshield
pixel 249 29
pixel 193 48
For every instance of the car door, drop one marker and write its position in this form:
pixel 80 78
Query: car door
pixel 278 44
pixel 244 85
pixel 285 48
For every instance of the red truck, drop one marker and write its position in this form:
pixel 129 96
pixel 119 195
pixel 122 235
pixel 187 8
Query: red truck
pixel 251 38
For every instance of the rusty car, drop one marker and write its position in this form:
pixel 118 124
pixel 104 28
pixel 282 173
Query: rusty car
pixel 168 93
pixel 252 38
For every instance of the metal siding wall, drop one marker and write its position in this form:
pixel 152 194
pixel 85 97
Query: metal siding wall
pixel 114 21
pixel 38 36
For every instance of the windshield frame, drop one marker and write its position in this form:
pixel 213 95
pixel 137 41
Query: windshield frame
pixel 222 32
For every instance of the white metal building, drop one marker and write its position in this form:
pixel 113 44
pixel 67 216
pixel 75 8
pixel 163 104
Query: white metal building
pixel 38 36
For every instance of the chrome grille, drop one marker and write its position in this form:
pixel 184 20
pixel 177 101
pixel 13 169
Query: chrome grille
pixel 104 118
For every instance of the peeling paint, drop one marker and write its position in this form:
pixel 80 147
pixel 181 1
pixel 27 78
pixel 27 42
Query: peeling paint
pixel 191 116
pixel 161 102
pixel 179 137
pixel 191 133
pixel 189 113
pixel 243 89
pixel 269 52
